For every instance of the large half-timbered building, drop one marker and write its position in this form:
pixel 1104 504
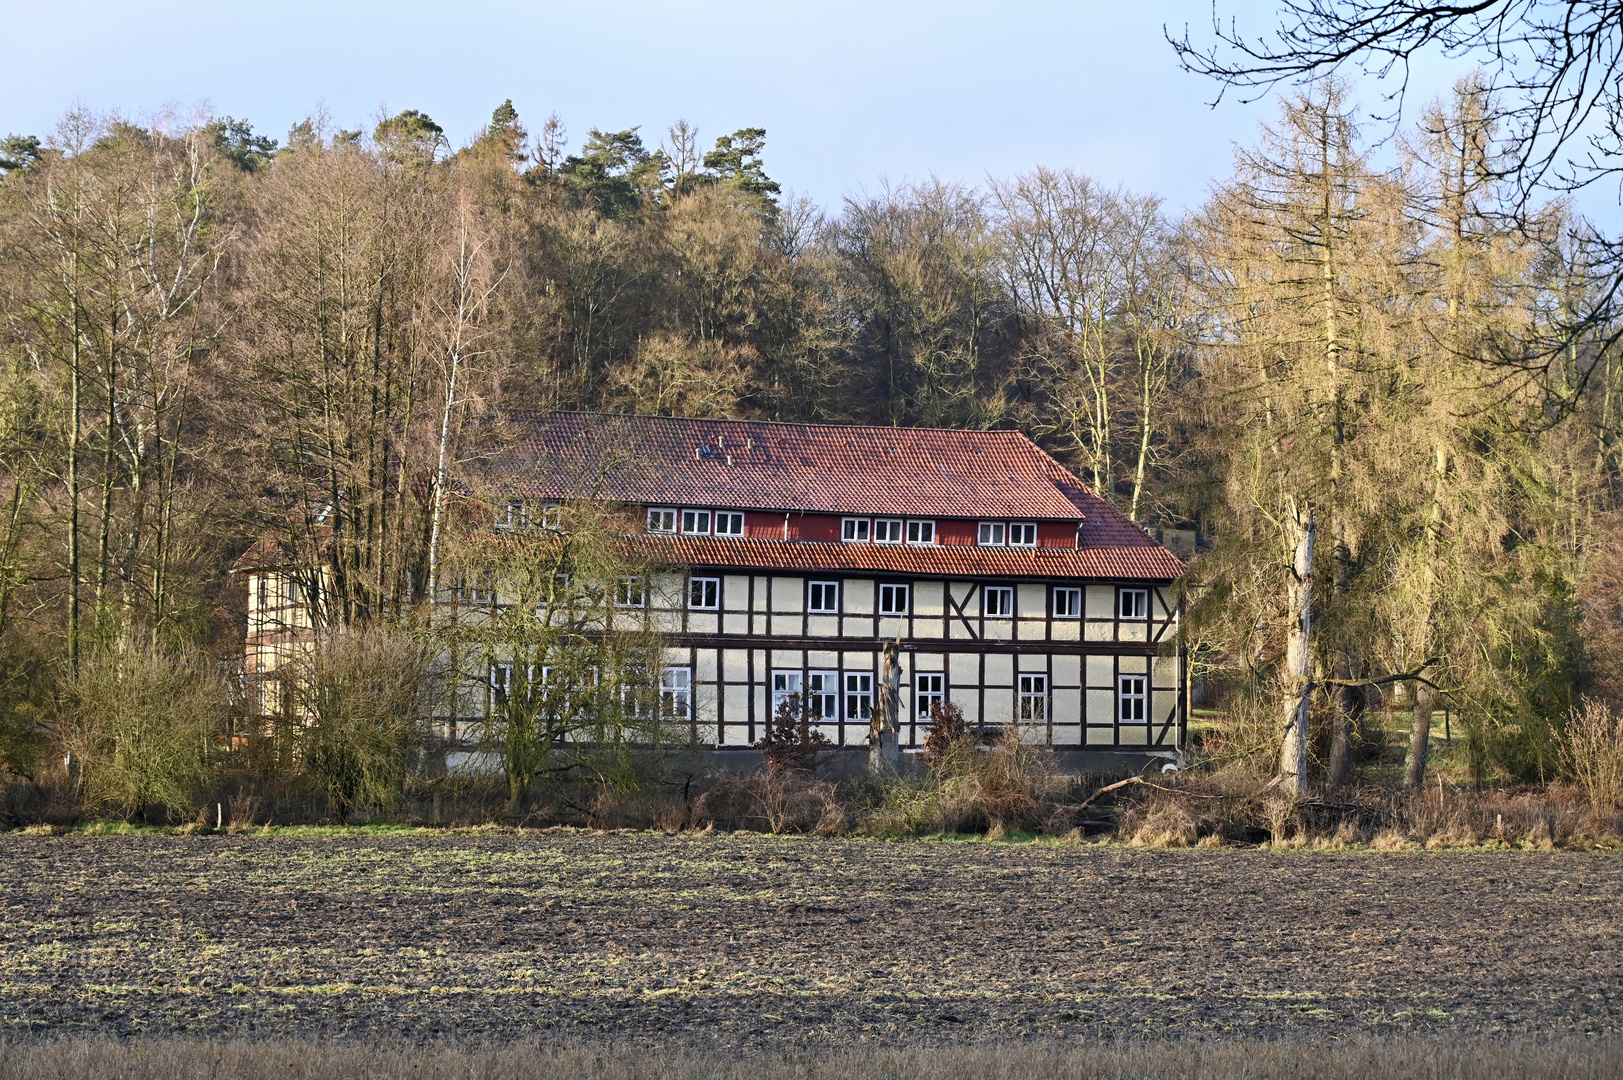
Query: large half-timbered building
pixel 1017 593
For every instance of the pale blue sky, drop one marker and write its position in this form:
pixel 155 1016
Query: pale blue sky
pixel 851 94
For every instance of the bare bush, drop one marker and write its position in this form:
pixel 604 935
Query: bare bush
pixel 1592 751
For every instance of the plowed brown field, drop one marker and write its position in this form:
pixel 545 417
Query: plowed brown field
pixel 749 940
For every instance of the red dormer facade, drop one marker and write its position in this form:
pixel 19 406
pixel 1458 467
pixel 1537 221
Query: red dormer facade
pixel 1017 592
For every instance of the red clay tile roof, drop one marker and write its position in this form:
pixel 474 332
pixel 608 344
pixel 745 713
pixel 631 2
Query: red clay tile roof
pixel 1144 561
pixel 751 465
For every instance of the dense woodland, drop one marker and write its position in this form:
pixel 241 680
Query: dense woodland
pixel 1381 400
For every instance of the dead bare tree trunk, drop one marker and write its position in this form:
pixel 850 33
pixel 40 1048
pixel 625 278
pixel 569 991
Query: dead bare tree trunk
pixel 1414 767
pixel 1296 679
pixel 884 754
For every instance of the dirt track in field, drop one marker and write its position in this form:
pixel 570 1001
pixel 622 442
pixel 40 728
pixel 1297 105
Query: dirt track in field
pixel 750 940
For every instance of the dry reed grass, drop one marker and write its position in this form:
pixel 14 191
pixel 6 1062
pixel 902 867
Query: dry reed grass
pixel 1567 1058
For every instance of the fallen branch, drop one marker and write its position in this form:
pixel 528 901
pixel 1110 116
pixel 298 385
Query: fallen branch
pixel 1139 781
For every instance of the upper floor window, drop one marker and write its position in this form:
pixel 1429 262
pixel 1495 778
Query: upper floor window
pixel 1133 603
pixel 823 597
pixel 629 593
pixel 854 530
pixel 552 516
pixel 991 534
pixel 478 587
pixel 893 599
pixel 704 593
pixel 887 530
pixel 729 523
pixel 511 515
pixel 999 601
pixel 662 521
pixel 1022 534
pixel 921 532
pixel 1067 603
pixel 696 522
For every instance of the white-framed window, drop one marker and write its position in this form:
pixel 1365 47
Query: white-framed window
pixel 1133 603
pixel 887 530
pixel 629 593
pixel 1130 697
pixel 823 597
pixel 552 516
pixel 510 514
pixel 859 695
pixel 1022 534
pixel 1067 603
pixel 474 587
pixel 676 693
pixel 921 532
pixel 854 530
pixel 1033 699
pixel 893 599
pixel 729 523
pixel 991 534
pixel 823 695
pixel 999 602
pixel 784 685
pixel 928 688
pixel 696 522
pixel 501 684
pixel 704 593
pixel 661 520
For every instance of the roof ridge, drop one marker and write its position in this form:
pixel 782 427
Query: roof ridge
pixel 542 413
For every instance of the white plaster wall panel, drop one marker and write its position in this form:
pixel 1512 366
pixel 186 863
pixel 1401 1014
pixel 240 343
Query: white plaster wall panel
pixel 1135 631
pixel 823 625
pixel 964 670
pixel 704 622
pixel 1031 661
pixel 859 661
pixel 926 661
pixel 1135 665
pixel 999 707
pixel 888 629
pixel 1134 735
pixel 1067 671
pixel 1101 736
pixel 1099 631
pixel 1101 706
pixel 821 659
pixel 788 594
pixel 858 597
pixel 788 658
pixel 959 631
pixel 735 592
pixel 927 599
pixel 1099 602
pixel 1066 735
pixel 737 701
pixel 927 628
pixel 858 627
pixel 998 630
pixel 999 669
pixel 1031 630
pixel 1102 672
pixel 1031 601
pixel 762 584
pixel 1163 705
pixel 1067 706
pixel 1164 671
pixel 969 704
pixel 705 665
pixel 735 624
pixel 735 665
pixel 1067 630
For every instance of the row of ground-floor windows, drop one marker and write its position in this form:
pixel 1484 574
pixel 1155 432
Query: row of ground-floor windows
pixel 823 696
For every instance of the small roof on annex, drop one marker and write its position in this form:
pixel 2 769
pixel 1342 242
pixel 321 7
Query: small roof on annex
pixel 796 468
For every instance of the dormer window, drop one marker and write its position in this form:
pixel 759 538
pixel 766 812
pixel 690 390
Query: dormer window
pixel 662 521
pixel 696 522
pixel 921 532
pixel 552 516
pixel 510 514
pixel 854 530
pixel 887 530
pixel 1022 534
pixel 729 523
pixel 992 534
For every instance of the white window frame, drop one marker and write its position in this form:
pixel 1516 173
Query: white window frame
pixel 822 696
pixel 785 683
pixel 552 516
pixel 1067 602
pixel 501 684
pixel 889 530
pixel 676 693
pixel 1132 699
pixel 1022 534
pixel 662 519
pixel 890 591
pixel 1139 606
pixel 928 686
pixel 695 523
pixel 481 592
pixel 698 587
pixel 728 522
pixel 855 530
pixel 997 601
pixel 630 592
pixel 921 531
pixel 511 515
pixel 828 589
pixel 859 696
pixel 991 533
pixel 1032 707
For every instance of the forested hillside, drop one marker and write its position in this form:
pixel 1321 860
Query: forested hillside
pixel 1377 403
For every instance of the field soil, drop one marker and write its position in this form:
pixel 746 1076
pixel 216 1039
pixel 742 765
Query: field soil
pixel 749 940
